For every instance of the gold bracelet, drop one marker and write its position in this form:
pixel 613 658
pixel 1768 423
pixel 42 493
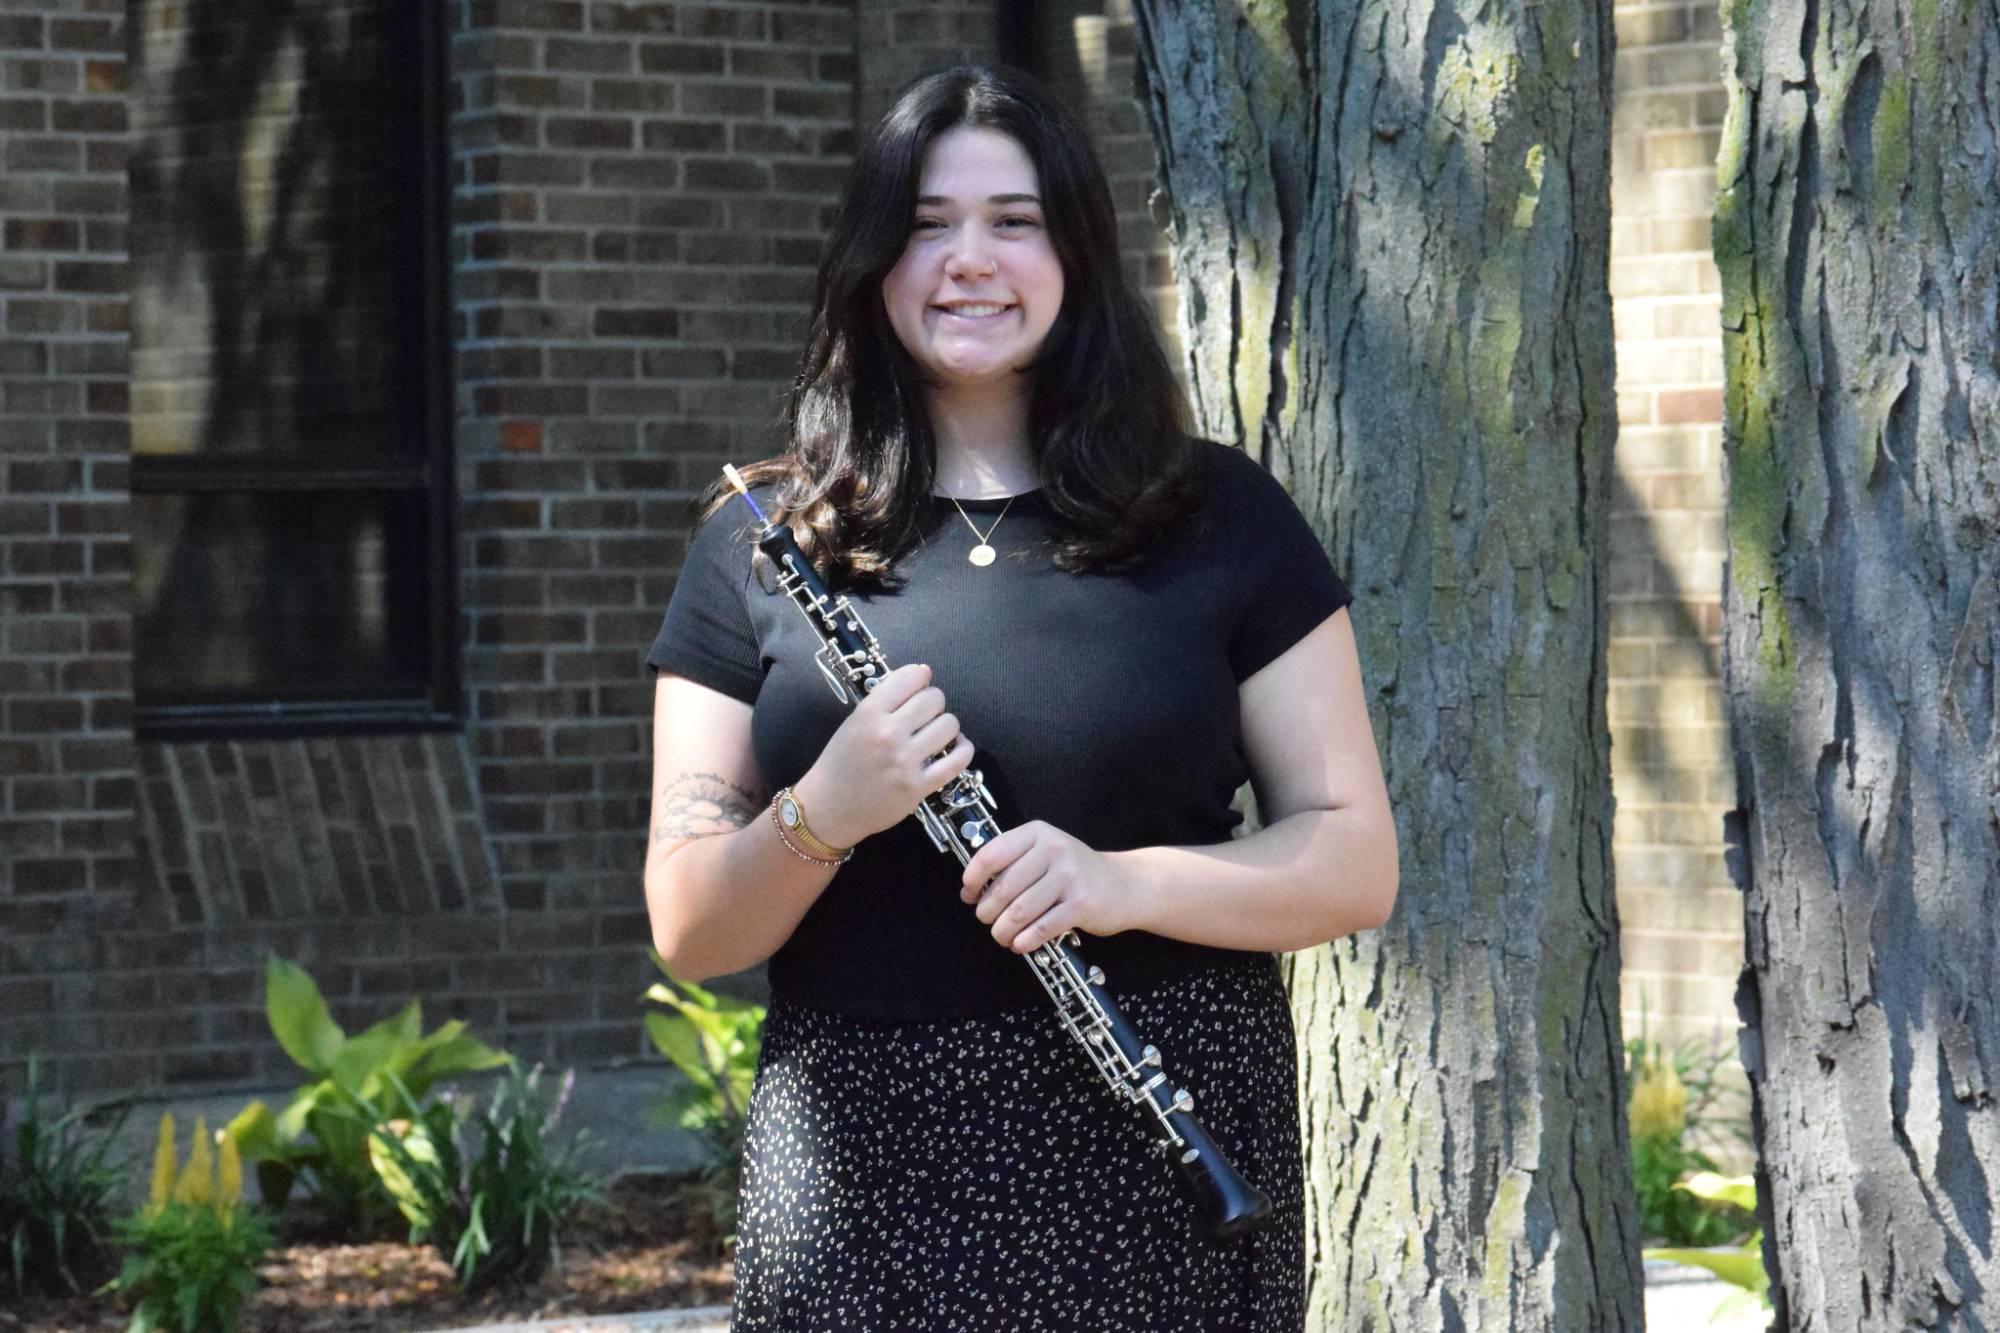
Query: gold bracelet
pixel 803 855
pixel 791 817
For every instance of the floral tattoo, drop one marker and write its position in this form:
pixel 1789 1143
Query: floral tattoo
pixel 698 805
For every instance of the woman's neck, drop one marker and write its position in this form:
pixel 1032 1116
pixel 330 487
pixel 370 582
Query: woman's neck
pixel 982 442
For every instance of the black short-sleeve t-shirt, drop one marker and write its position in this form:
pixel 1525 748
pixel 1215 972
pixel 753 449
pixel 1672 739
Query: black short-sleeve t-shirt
pixel 1105 704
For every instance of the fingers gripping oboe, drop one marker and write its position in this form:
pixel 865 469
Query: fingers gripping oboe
pixel 959 819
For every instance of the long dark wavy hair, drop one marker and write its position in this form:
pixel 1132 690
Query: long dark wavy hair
pixel 1107 420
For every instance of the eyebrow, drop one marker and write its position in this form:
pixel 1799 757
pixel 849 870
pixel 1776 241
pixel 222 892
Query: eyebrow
pixel 935 200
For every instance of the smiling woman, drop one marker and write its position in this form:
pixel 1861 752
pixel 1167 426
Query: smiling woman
pixel 973 297
pixel 988 461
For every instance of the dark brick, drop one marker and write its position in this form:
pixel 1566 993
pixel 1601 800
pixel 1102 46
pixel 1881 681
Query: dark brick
pixel 647 322
pixel 657 17
pixel 51 875
pixel 744 22
pixel 726 174
pixel 24 358
pixel 529 246
pixel 32 716
pixel 27 599
pixel 599 132
pixel 24 32
pixel 26 316
pixel 726 99
pixel 680 58
pixel 44 558
pixel 633 95
pixel 23 113
pixel 87 35
pixel 766 62
pixel 686 136
pixel 494 400
pixel 98 198
pixel 588 57
pixel 94 116
pixel 90 276
pixel 810 104
pixel 527 627
pixel 546 15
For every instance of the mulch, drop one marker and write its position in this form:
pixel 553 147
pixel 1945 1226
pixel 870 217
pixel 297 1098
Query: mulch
pixel 647 1247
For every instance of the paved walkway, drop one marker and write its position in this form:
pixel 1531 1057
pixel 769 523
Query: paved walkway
pixel 1678 1300
pixel 706 1319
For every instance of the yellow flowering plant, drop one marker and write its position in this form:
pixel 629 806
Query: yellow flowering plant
pixel 193 1247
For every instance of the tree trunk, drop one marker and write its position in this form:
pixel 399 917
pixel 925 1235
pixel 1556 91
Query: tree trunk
pixel 1857 230
pixel 1390 230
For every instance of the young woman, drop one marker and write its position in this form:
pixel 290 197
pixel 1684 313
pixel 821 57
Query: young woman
pixel 987 455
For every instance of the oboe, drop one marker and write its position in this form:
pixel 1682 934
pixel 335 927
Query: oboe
pixel 959 819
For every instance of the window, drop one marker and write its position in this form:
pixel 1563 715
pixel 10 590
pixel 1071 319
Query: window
pixel 290 429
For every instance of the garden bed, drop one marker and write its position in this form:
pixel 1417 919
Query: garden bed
pixel 650 1246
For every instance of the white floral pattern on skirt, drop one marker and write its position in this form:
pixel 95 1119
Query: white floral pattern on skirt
pixel 978 1174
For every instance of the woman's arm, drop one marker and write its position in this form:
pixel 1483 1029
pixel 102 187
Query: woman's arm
pixel 1324 865
pixel 723 891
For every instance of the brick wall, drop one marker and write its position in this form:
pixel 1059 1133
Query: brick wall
pixel 66 756
pixel 1682 920
pixel 639 193
pixel 900 39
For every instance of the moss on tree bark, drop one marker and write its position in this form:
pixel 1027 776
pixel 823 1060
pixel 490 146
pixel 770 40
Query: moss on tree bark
pixel 1857 230
pixel 1390 229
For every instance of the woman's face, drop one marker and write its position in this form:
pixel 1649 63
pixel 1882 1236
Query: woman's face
pixel 979 285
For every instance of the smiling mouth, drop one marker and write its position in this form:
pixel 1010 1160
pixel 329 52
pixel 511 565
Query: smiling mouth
pixel 975 310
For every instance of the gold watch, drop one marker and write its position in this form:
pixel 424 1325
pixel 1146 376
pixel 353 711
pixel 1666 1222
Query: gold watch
pixel 791 817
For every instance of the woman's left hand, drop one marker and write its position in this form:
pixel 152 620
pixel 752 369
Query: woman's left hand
pixel 1044 882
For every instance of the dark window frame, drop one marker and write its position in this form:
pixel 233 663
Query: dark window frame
pixel 422 171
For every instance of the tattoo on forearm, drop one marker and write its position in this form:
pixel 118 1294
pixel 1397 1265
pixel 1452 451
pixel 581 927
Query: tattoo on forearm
pixel 697 805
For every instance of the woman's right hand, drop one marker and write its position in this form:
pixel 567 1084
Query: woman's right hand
pixel 884 759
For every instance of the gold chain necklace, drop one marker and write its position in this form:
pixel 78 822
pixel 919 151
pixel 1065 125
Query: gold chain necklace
pixel 982 554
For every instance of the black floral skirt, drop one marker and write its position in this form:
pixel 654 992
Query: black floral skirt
pixel 979 1175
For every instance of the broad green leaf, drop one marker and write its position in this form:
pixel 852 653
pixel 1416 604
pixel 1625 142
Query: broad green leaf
pixel 677 1040
pixel 255 1130
pixel 455 1055
pixel 1739 1265
pixel 299 1018
pixel 292 1121
pixel 1738 1190
pixel 405 1025
pixel 359 1067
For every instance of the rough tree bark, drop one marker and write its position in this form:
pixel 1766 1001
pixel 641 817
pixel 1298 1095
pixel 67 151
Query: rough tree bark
pixel 1389 222
pixel 1857 230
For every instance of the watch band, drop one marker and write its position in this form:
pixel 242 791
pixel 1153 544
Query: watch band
pixel 789 814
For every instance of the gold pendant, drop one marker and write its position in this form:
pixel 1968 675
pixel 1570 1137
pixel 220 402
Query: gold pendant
pixel 981 555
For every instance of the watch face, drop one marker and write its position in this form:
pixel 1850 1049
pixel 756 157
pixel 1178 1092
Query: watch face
pixel 788 810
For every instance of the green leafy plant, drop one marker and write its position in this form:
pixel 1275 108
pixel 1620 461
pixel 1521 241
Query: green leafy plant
pixel 1740 1265
pixel 1673 1106
pixel 714 1041
pixel 489 1188
pixel 193 1248
pixel 358 1082
pixel 55 1191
